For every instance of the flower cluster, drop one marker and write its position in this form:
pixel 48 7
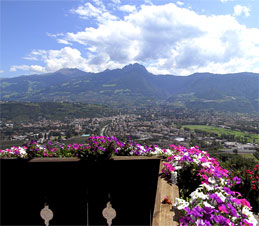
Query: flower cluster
pixel 19 152
pixel 249 185
pixel 253 177
pixel 96 147
pixel 210 205
pixel 210 201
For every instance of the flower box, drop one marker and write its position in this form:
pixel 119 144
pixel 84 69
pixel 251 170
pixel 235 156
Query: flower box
pixel 77 190
pixel 135 178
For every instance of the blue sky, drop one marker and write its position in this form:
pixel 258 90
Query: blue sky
pixel 167 37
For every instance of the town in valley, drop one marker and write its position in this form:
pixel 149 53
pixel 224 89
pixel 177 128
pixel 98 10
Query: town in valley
pixel 216 132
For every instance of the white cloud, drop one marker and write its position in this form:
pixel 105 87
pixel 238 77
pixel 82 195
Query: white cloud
pixel 54 35
pixel 114 4
pixel 128 8
pixel 148 2
pixel 60 40
pixel 167 39
pixel 116 1
pixel 88 10
pixel 226 0
pixel 100 4
pixel 63 41
pixel 54 60
pixel 1 71
pixel 183 40
pixel 35 55
pixel 32 68
pixel 30 58
pixel 179 3
pixel 239 10
pixel 65 58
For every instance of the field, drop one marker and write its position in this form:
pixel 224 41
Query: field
pixel 249 156
pixel 251 138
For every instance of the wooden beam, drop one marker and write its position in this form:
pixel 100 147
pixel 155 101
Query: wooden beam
pixel 73 159
pixel 164 214
pixel 135 157
pixel 48 159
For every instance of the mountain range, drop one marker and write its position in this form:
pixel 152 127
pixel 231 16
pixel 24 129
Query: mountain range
pixel 134 85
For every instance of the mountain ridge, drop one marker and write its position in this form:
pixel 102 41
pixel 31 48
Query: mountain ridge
pixel 129 67
pixel 134 85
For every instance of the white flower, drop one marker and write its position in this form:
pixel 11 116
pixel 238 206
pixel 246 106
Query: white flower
pixel 164 152
pixel 252 220
pixel 205 165
pixel 196 159
pixel 199 156
pixel 208 187
pixel 40 147
pixel 208 205
pixel 169 152
pixel 212 180
pixel 222 182
pixel 181 203
pixel 221 196
pixel 158 151
pixel 132 152
pixel 22 151
pixel 246 211
pixel 177 158
pixel 198 194
pixel 233 219
pixel 178 167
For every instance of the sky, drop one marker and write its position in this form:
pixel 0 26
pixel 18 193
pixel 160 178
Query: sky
pixel 166 36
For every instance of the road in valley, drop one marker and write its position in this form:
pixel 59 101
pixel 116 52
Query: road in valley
pixel 103 130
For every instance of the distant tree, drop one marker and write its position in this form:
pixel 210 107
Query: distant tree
pixel 54 133
pixel 186 129
pixel 235 151
pixel 238 139
pixel 69 133
pixel 179 125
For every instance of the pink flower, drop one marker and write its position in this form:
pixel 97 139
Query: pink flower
pixel 222 208
pixel 243 202
pixel 247 223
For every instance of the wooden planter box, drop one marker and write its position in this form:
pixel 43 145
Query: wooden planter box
pixel 77 191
